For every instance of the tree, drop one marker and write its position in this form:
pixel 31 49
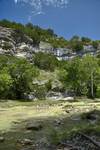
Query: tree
pixel 6 83
pixel 75 38
pixel 91 68
pixel 86 40
pixel 95 44
pixel 51 32
pixel 73 77
pixel 16 77
pixel 82 76
pixel 29 25
pixel 75 45
pixel 22 73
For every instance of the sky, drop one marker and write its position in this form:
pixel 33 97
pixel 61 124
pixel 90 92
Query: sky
pixel 65 17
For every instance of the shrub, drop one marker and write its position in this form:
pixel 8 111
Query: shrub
pixel 95 44
pixel 48 85
pixel 16 76
pixel 6 83
pixel 45 61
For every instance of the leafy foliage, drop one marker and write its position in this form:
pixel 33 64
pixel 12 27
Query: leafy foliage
pixel 82 76
pixel 75 43
pixel 86 40
pixel 16 77
pixel 47 35
pixel 45 61
pixel 95 44
pixel 6 82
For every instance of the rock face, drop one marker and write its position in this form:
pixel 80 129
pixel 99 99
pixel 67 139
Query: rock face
pixel 20 45
pixel 14 43
pixel 45 47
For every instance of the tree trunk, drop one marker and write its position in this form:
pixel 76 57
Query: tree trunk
pixel 92 85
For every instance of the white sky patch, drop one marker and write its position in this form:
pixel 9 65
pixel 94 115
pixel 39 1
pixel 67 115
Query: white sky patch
pixel 37 5
pixel 15 1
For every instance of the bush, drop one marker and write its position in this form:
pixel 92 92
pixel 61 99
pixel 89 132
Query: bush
pixel 6 82
pixel 95 44
pixel 16 76
pixel 45 61
pixel 48 85
pixel 75 44
pixel 86 40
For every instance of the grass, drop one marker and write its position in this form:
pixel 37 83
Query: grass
pixel 18 111
pixel 14 115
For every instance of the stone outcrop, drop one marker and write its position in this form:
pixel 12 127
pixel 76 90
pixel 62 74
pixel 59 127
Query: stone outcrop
pixel 45 47
pixel 18 44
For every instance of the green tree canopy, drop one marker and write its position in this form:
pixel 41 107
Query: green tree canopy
pixel 82 76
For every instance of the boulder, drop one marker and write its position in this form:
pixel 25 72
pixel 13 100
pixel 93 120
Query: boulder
pixel 21 54
pixel 30 96
pixel 54 95
pixel 68 98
